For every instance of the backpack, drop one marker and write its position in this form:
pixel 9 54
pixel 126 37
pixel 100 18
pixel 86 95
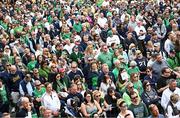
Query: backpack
pixel 175 110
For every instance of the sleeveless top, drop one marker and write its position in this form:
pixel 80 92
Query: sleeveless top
pixel 91 110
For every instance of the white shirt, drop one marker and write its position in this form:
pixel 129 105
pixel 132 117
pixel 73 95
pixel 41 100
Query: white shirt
pixel 29 89
pixel 167 45
pixel 69 48
pixel 138 29
pixel 170 111
pixel 114 39
pixel 51 102
pixel 102 21
pixel 166 97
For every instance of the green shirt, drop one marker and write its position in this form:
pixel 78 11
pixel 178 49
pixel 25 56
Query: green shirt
pixel 77 27
pixel 3 94
pixel 173 62
pixel 139 111
pixel 138 86
pixel 31 65
pixel 133 70
pixel 38 93
pixel 106 58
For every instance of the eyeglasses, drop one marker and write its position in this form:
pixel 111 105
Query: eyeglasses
pixel 8 65
pixel 134 97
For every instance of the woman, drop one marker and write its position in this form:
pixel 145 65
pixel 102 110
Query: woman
pixel 31 65
pixel 122 81
pixel 172 110
pixel 44 70
pixel 98 97
pixel 149 96
pixel 90 108
pixel 93 76
pixel 136 82
pixel 124 112
pixel 39 60
pixel 106 83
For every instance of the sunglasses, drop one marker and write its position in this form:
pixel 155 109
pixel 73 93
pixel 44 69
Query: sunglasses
pixel 134 97
pixel 98 96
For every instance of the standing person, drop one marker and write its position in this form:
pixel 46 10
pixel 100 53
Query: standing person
pixel 51 100
pixel 14 79
pixel 124 112
pixel 160 30
pixel 138 108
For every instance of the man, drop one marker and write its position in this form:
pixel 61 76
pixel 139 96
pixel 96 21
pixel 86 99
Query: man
pixel 141 63
pixel 172 60
pixel 75 71
pixel 155 112
pixel 51 100
pixel 26 86
pixel 160 30
pixel 158 65
pixel 138 108
pixel 73 94
pixel 105 71
pixel 105 56
pixel 162 82
pixel 14 79
pixel 126 95
pixel 168 92
pixel 36 76
pixel 141 33
pixel 26 109
pixel 38 92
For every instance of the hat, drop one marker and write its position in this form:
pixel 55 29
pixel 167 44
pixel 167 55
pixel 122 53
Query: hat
pixel 61 70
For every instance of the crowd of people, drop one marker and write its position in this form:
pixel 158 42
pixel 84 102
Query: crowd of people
pixel 90 58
